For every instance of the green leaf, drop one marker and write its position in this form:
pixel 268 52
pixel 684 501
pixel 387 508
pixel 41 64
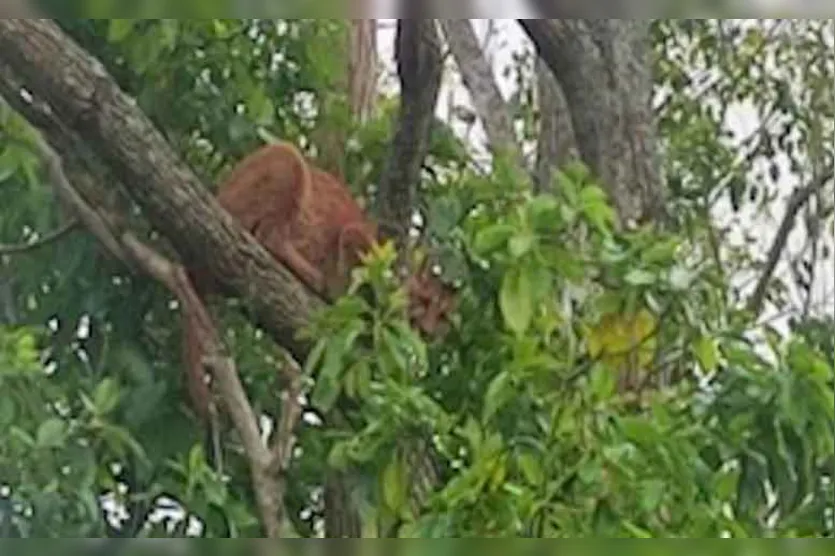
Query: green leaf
pixel 707 352
pixel 543 213
pixel 594 204
pixel 638 277
pixel 315 357
pixel 637 532
pixel 516 300
pixel 492 238
pixel 499 392
pixel 680 278
pixel 652 493
pixel 260 107
pixel 395 349
pixel 106 397
pixel 8 410
pixel 52 433
pixel 639 430
pixel 472 432
pixel 444 215
pixel 327 387
pixel 119 29
pixel 531 467
pixel 521 244
pixel 394 485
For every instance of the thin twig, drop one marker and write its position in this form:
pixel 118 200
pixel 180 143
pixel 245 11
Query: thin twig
pixel 54 235
pixel 797 201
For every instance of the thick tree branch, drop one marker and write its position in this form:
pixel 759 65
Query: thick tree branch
pixel 604 71
pixel 478 77
pixel 797 201
pixel 85 99
pixel 420 67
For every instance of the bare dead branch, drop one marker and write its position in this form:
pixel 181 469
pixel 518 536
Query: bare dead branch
pixel 50 237
pixel 796 202
pixel 478 77
pixel 420 67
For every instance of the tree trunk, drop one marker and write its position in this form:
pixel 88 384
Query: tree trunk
pixel 556 145
pixel 362 68
pixel 420 67
pixel 351 96
pixel 603 67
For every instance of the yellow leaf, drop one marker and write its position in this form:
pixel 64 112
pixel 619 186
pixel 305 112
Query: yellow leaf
pixel 623 340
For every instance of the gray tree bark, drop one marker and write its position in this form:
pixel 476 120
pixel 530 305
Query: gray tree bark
pixel 420 68
pixel 603 68
pixel 556 144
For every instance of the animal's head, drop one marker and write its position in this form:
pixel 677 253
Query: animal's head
pixel 431 302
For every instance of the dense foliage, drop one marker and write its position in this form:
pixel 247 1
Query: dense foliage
pixel 733 434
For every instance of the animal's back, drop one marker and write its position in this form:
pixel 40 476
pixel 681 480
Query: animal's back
pixel 326 212
pixel 270 183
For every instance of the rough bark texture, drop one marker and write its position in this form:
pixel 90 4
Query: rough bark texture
pixel 604 71
pixel 420 67
pixel 477 76
pixel 86 100
pixel 556 145
pixel 362 68
pixel 351 94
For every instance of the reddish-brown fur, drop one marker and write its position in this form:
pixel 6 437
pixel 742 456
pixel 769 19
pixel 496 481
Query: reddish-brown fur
pixel 310 222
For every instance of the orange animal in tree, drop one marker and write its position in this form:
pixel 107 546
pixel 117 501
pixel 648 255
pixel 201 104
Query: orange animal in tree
pixel 311 223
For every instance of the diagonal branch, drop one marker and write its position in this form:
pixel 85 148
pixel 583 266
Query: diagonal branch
pixel 479 81
pixel 85 99
pixel 267 473
pixel 797 201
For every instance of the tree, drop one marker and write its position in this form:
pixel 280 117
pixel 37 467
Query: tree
pixel 601 378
